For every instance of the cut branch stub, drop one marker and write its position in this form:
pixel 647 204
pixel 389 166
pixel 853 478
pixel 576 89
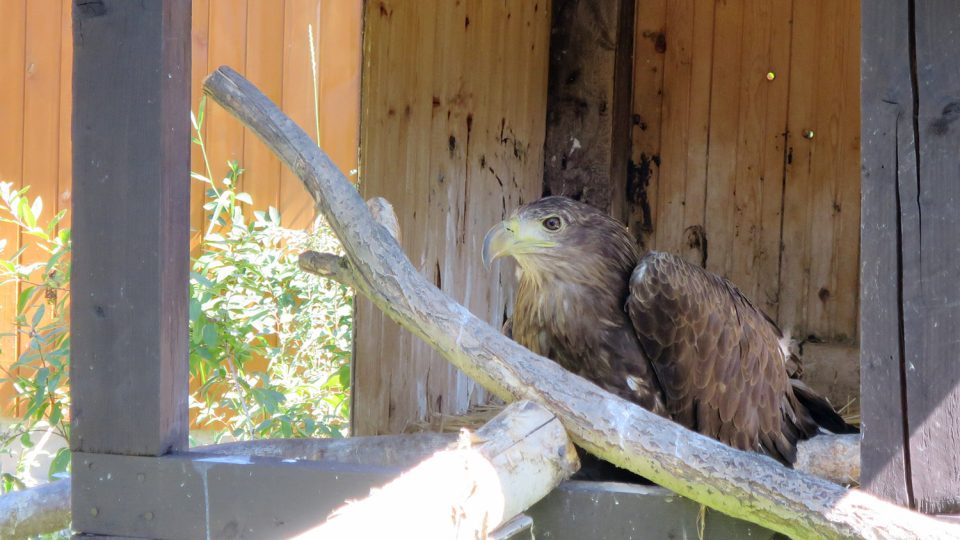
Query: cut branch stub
pixel 741 484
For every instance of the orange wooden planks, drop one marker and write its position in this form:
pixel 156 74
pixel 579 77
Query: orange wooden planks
pixel 200 39
pixel 227 46
pixel 264 68
pixel 41 114
pixel 12 41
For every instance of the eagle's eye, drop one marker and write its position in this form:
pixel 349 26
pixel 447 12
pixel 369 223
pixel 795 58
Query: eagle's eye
pixel 552 223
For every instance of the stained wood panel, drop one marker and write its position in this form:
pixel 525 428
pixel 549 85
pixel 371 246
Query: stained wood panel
pixel 588 94
pixel 821 203
pixel 227 45
pixel 452 132
pixel 12 42
pixel 721 172
pixel 264 68
pixel 643 170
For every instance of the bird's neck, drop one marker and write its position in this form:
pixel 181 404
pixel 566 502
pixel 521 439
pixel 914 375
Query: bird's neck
pixel 560 302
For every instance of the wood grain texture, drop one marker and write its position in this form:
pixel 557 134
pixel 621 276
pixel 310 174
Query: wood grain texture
pixel 821 213
pixel 888 159
pixel 588 102
pixel 720 178
pixel 643 172
pixel 264 67
pixel 131 154
pixel 12 43
pixel 199 48
pixel 450 135
pixel 931 257
pixel 741 484
pixel 41 121
pixel 227 46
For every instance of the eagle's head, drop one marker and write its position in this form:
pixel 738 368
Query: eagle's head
pixel 557 237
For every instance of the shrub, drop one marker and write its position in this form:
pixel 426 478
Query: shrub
pixel 269 344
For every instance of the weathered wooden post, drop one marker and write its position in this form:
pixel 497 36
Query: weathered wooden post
pixel 131 160
pixel 910 301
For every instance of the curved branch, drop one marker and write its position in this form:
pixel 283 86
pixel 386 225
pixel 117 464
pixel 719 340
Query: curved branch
pixel 741 484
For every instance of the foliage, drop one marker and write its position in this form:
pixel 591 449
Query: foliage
pixel 269 344
pixel 41 326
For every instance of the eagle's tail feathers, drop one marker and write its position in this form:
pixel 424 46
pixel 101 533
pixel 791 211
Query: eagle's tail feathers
pixel 820 409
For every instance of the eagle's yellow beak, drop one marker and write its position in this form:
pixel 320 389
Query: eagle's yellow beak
pixel 513 237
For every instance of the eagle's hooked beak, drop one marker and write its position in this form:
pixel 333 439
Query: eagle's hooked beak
pixel 498 241
pixel 514 237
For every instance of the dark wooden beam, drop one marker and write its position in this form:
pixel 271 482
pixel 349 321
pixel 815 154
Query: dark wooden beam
pixel 196 495
pixel 131 162
pixel 588 104
pixel 910 302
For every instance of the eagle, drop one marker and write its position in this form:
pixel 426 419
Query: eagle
pixel 668 335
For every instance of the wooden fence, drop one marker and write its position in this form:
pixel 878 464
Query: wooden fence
pixel 267 40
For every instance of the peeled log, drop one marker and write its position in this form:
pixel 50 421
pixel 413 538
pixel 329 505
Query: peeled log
pixel 38 510
pixel 741 484
pixel 466 492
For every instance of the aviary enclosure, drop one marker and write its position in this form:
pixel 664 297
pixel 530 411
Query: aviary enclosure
pixel 727 131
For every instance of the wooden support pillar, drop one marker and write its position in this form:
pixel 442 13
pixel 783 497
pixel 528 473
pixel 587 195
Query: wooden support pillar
pixel 910 236
pixel 588 105
pixel 131 162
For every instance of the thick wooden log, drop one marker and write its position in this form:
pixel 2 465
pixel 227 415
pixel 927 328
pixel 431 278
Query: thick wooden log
pixel 35 511
pixel 741 484
pixel 468 491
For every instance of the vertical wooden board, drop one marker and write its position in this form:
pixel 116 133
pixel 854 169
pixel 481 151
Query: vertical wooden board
pixel 826 147
pixel 799 182
pixel 821 213
pixel 675 118
pixel 724 115
pixel 199 46
pixel 694 240
pixel 887 153
pixel 846 304
pixel 688 68
pixel 931 257
pixel 450 136
pixel 587 144
pixel 643 174
pixel 338 51
pixel 264 68
pixel 380 356
pixel 227 46
pixel 297 101
pixel 12 40
pixel 410 399
pixel 757 200
pixel 773 160
pixel 130 264
pixel 41 119
pixel 65 141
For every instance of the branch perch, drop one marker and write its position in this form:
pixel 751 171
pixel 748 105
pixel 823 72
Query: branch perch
pixel 744 485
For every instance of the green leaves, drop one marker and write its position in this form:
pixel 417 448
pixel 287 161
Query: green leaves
pixel 270 345
pixel 39 376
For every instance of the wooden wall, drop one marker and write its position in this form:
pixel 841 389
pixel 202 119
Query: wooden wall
pixel 722 172
pixel 267 40
pixel 454 101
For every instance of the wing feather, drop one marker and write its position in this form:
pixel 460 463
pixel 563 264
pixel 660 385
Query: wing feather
pixel 716 356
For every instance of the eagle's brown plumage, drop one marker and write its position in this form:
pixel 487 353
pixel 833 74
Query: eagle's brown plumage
pixel 670 336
